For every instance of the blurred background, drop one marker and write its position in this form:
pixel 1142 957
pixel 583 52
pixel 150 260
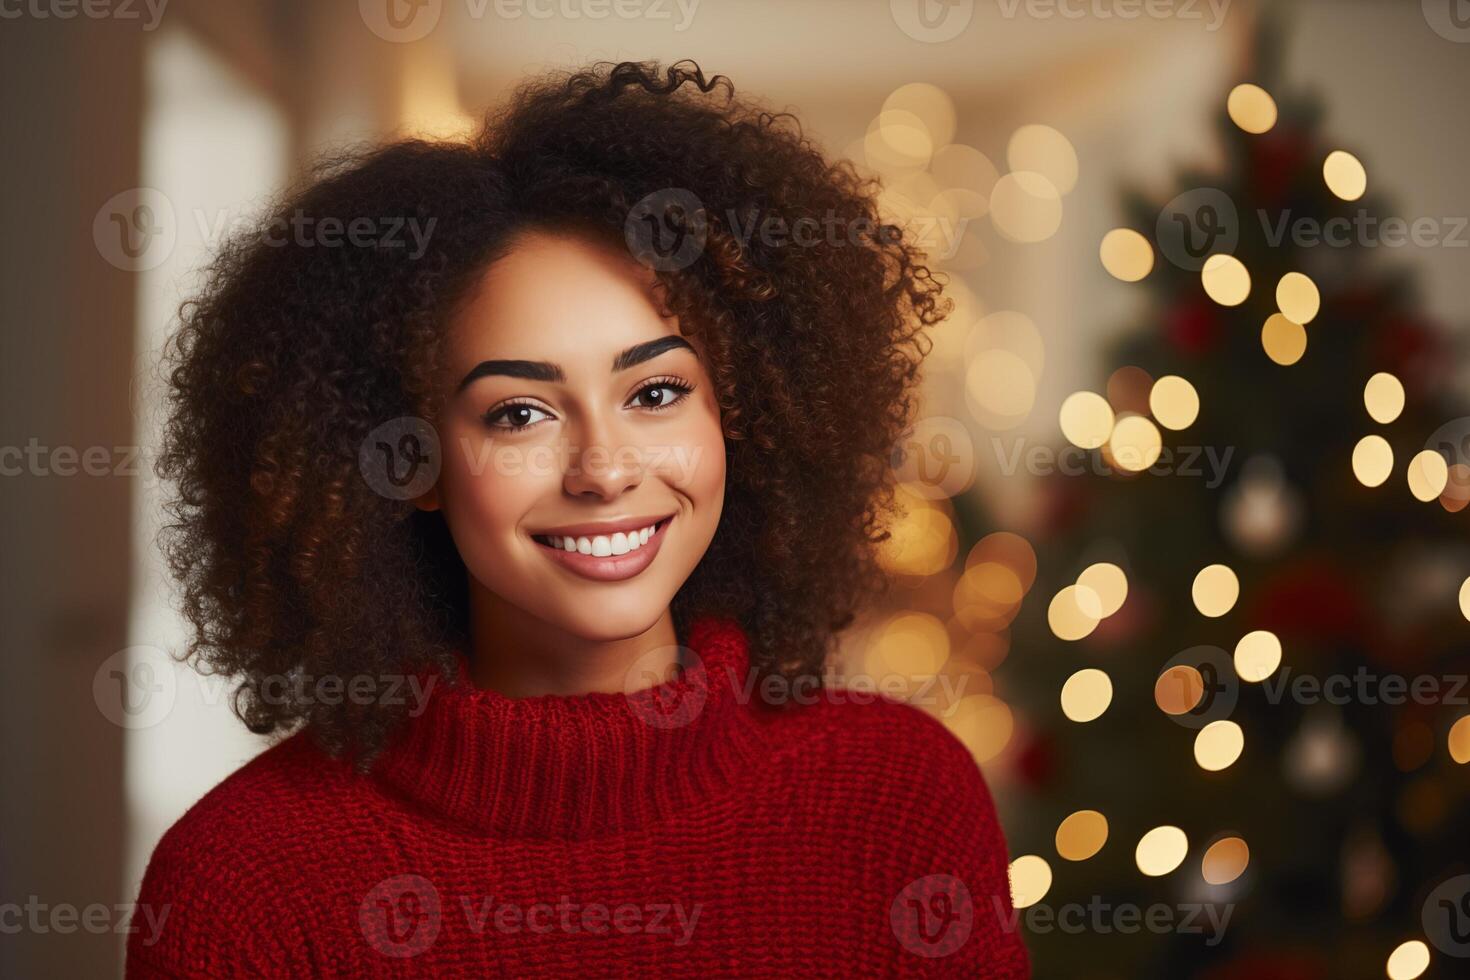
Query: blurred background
pixel 1183 562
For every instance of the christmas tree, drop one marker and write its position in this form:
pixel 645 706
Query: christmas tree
pixel 1247 634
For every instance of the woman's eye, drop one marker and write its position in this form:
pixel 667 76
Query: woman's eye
pixel 661 395
pixel 514 417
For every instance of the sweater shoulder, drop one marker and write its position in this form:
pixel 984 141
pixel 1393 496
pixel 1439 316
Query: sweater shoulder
pixel 900 764
pixel 908 801
pixel 275 795
pixel 229 858
pixel 871 734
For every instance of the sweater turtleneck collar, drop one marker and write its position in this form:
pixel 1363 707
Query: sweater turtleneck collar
pixel 578 766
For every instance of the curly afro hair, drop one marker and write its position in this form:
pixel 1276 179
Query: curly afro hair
pixel 291 565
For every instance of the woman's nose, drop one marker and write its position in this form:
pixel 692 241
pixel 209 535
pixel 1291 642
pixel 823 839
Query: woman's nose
pixel 603 465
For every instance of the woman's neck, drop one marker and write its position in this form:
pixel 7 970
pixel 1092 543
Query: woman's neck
pixel 518 655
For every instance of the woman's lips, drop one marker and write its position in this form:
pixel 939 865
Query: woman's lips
pixel 609 568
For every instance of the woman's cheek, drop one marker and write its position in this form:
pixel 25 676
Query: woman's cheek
pixel 494 486
pixel 695 465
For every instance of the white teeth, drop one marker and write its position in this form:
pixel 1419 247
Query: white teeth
pixel 602 545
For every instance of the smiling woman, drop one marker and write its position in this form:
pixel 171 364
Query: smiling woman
pixel 572 364
pixel 604 480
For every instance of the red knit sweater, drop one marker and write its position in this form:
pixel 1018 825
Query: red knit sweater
pixel 687 830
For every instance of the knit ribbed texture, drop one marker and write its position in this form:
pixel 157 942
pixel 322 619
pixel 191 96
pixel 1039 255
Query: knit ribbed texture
pixel 684 830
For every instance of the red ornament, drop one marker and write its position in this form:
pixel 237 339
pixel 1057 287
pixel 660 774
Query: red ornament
pixel 1036 763
pixel 1410 350
pixel 1313 600
pixel 1193 327
pixel 1276 159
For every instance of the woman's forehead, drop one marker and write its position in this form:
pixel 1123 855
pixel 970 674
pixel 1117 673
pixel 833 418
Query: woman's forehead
pixel 562 296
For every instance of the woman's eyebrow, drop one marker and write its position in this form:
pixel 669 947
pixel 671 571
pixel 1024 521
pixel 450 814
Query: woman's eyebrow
pixel 530 370
pixel 547 371
pixel 648 350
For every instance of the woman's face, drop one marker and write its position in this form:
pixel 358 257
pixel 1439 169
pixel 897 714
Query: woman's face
pixel 584 462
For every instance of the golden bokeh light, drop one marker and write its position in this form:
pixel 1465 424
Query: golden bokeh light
pixel 930 104
pixel 1225 279
pixel 1000 389
pixel 983 723
pixel 1459 740
pixel 1383 397
pixel 921 542
pixel 958 679
pixel 1126 254
pixel 1174 402
pixel 1218 745
pixel 961 167
pixel 1257 655
pixel 1074 612
pixel 1135 444
pixel 1045 151
pixel 1109 583
pixel 1179 689
pixel 1283 340
pixel 1372 460
pixel 1215 590
pixel 1428 475
pixel 952 207
pixel 1030 880
pixel 1086 419
pixel 1008 330
pixel 1025 207
pixel 986 649
pixel 1297 298
pixel 1408 960
pixel 1251 108
pixel 911 645
pixel 1345 175
pixel 1081 835
pixel 1225 860
pixel 988 595
pixel 898 144
pixel 1161 850
pixel 1009 549
pixel 1086 695
pixel 1465 598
